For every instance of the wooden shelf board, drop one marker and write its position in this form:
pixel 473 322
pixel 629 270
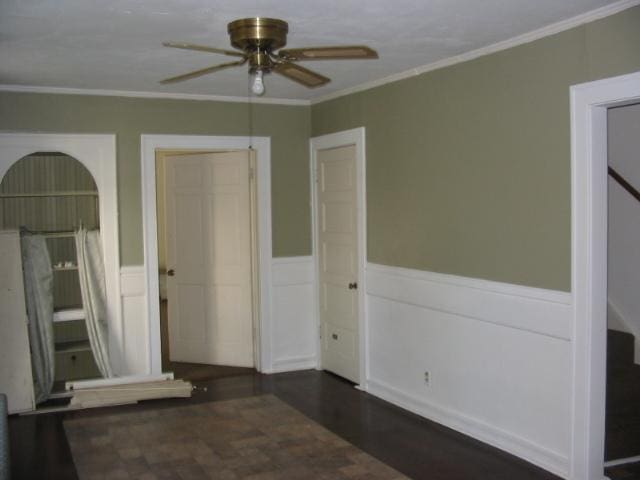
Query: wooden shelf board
pixel 75 346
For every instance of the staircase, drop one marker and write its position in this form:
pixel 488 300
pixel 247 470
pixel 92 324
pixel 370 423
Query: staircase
pixel 622 437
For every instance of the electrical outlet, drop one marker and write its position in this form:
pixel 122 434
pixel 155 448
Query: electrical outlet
pixel 427 377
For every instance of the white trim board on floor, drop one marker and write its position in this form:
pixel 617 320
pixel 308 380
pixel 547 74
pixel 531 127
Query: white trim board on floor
pixel 622 461
pixel 589 103
pixel 354 137
pixel 262 147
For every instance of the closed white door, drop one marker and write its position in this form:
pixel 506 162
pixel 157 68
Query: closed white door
pixel 338 260
pixel 209 284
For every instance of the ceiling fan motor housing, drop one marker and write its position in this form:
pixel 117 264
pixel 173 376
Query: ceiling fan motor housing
pixel 258 34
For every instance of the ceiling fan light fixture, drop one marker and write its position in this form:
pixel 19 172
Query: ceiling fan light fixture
pixel 257 86
pixel 256 40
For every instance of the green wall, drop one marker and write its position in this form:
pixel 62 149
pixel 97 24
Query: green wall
pixel 128 118
pixel 468 167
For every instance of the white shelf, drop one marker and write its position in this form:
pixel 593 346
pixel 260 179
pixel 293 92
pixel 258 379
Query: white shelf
pixel 64 269
pixel 68 315
pixel 73 193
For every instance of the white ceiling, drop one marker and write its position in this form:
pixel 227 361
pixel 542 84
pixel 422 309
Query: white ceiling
pixel 116 44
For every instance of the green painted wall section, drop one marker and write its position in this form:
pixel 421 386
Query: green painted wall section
pixel 128 118
pixel 468 167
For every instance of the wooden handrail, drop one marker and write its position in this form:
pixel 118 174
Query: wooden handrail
pixel 624 184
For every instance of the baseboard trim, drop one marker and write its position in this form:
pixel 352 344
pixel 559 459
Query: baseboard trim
pixel 542 457
pixel 292 364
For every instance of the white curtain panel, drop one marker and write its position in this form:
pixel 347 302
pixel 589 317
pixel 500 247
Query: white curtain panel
pixel 94 298
pixel 38 287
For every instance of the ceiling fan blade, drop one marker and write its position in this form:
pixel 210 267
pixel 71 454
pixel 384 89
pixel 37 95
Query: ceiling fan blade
pixel 204 71
pixel 202 48
pixel 300 74
pixel 329 53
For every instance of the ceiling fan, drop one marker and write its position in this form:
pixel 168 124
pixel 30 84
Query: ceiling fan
pixel 257 40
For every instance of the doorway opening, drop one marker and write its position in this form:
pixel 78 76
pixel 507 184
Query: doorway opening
pixel 622 420
pixel 207 259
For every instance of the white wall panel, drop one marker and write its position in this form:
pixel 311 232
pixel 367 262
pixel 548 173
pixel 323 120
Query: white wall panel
pixel 134 357
pixel 498 362
pixel 294 323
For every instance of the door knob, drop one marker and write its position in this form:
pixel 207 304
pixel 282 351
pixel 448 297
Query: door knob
pixel 353 286
pixel 171 272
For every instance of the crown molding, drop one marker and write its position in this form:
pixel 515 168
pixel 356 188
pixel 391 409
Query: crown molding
pixel 161 95
pixel 547 31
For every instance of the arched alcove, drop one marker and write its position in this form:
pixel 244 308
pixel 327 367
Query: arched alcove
pixel 52 194
pixel 93 159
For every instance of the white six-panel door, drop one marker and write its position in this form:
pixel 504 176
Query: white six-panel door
pixel 338 260
pixel 209 286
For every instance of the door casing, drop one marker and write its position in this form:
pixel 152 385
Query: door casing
pixel 589 103
pixel 262 148
pixel 354 137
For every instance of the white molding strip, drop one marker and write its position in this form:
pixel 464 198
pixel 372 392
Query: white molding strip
pixel 529 37
pixel 160 95
pixel 622 461
pixel 108 382
pixel 293 364
pixel 546 312
pixel 529 451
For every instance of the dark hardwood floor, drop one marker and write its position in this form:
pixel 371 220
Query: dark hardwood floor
pixel 198 372
pixel 413 445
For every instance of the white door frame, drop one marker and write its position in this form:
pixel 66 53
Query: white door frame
pixel 262 147
pixel 98 154
pixel 354 137
pixel 589 103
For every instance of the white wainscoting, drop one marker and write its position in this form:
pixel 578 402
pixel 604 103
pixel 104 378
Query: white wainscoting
pixel 135 355
pixel 294 324
pixel 498 357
